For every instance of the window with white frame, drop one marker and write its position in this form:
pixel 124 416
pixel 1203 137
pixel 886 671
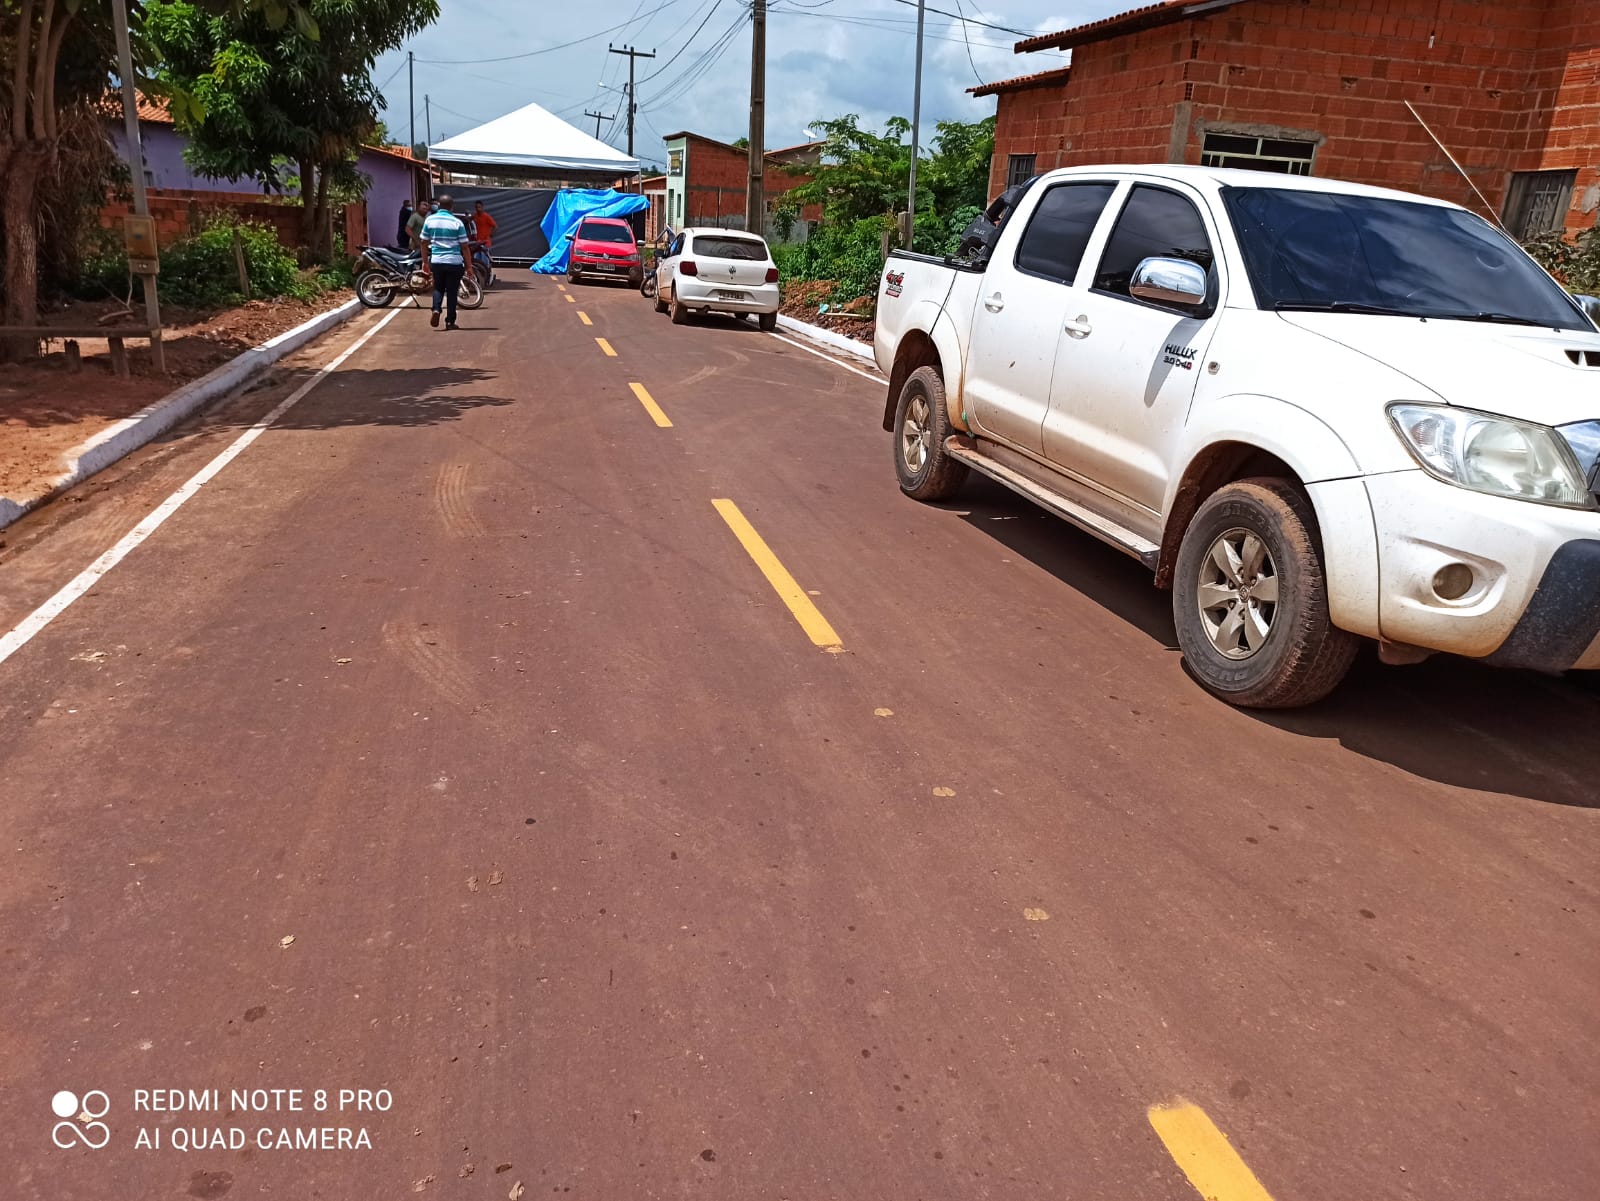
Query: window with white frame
pixel 1287 156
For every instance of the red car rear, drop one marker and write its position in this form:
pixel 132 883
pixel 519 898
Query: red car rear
pixel 604 248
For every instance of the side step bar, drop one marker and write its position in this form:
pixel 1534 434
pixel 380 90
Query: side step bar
pixel 1090 522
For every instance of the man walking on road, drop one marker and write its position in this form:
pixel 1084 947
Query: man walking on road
pixel 444 244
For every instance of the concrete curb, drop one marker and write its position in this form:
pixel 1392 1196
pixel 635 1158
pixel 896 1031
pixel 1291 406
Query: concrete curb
pixel 828 338
pixel 128 435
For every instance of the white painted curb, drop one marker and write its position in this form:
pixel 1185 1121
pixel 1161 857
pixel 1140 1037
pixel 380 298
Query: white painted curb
pixel 827 338
pixel 128 435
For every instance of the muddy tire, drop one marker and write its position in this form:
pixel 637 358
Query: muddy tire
pixel 767 321
pixel 921 424
pixel 680 315
pixel 1250 599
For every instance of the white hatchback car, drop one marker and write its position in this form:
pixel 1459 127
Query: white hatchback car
pixel 718 271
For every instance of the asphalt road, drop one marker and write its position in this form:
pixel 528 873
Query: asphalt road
pixel 452 741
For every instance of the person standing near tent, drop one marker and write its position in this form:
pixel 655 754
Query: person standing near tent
pixel 401 239
pixel 481 225
pixel 414 223
pixel 444 246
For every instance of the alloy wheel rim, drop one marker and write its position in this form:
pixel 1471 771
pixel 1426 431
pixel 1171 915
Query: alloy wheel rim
pixel 915 435
pixel 1238 593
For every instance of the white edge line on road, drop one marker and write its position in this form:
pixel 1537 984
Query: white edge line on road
pixel 877 379
pixel 23 632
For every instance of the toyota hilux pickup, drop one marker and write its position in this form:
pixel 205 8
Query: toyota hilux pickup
pixel 1319 412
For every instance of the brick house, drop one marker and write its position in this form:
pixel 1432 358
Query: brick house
pixel 1319 87
pixel 706 182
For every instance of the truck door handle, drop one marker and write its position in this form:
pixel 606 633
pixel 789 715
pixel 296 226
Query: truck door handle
pixel 1079 327
pixel 994 303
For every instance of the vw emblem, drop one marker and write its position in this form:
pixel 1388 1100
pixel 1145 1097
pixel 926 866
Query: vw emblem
pixel 733 271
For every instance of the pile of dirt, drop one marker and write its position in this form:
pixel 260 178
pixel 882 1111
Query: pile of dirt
pixel 804 299
pixel 45 410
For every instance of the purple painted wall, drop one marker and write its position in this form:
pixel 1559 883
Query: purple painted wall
pixel 393 179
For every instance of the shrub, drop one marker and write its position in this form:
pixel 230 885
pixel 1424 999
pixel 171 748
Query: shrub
pixel 1575 263
pixel 200 272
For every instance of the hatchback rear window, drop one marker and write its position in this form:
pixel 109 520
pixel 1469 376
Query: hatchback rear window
pixel 716 246
pixel 594 231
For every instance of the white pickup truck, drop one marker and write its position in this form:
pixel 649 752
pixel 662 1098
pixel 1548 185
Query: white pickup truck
pixel 1319 412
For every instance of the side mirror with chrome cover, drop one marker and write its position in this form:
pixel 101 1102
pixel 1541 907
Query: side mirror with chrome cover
pixel 1591 306
pixel 1169 281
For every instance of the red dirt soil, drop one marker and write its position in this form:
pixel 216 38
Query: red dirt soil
pixel 46 411
pixel 800 301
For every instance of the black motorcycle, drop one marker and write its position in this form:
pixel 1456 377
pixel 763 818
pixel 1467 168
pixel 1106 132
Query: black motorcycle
pixel 382 274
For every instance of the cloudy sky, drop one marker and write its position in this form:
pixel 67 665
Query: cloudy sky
pixel 824 58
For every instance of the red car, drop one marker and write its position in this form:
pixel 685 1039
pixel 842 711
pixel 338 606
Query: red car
pixel 604 248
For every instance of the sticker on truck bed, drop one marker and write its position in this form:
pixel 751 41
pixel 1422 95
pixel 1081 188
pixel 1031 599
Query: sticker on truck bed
pixel 1179 356
pixel 895 282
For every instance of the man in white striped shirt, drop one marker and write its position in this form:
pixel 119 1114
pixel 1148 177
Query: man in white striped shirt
pixel 444 244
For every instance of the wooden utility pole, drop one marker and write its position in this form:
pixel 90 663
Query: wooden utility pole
pixel 916 130
pixel 411 94
pixel 633 93
pixel 598 117
pixel 141 202
pixel 427 116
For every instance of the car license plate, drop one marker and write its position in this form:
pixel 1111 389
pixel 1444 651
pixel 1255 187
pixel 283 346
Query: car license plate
pixel 725 295
pixel 609 267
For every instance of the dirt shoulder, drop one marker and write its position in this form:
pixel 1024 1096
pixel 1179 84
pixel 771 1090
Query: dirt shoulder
pixel 802 298
pixel 46 410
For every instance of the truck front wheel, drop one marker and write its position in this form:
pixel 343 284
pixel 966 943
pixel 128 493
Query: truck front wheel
pixel 921 424
pixel 1250 599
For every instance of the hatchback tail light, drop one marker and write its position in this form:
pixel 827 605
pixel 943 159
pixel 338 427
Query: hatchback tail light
pixel 687 267
pixel 772 275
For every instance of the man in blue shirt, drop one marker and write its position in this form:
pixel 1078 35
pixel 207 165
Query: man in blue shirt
pixel 444 244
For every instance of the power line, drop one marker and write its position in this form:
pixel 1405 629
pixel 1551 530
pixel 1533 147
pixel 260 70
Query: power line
pixel 505 58
pixel 663 67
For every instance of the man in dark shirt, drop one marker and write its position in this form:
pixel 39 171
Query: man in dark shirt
pixel 402 240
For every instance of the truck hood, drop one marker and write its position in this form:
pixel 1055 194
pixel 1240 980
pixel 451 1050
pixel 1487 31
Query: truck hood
pixel 1514 370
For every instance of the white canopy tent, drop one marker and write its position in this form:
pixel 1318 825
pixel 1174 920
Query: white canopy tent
pixel 533 142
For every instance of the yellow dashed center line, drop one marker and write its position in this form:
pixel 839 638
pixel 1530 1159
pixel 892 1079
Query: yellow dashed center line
pixel 561 287
pixel 571 299
pixel 584 317
pixel 606 347
pixel 1204 1153
pixel 651 407
pixel 810 618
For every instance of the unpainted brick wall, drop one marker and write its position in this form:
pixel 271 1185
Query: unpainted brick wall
pixel 1512 85
pixel 715 184
pixel 180 213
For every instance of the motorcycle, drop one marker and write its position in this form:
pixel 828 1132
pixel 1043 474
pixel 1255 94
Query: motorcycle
pixel 381 274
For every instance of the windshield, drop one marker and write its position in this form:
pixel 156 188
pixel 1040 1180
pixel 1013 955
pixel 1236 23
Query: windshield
pixel 715 246
pixel 594 231
pixel 1325 251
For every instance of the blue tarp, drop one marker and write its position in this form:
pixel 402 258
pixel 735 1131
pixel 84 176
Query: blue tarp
pixel 573 205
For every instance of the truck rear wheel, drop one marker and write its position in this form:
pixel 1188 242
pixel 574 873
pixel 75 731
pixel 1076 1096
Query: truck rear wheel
pixel 1250 599
pixel 921 424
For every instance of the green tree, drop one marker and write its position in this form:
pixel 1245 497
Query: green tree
pixel 260 95
pixel 57 59
pixel 861 174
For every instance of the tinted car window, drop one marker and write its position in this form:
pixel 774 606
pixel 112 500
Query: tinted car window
pixel 1317 250
pixel 1059 231
pixel 596 231
pixel 1155 223
pixel 676 248
pixel 716 246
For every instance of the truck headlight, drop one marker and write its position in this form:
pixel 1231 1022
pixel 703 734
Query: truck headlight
pixel 1492 454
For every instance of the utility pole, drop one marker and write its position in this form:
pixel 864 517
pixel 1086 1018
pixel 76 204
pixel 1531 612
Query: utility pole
pixel 141 202
pixel 916 129
pixel 427 115
pixel 633 93
pixel 411 93
pixel 598 117
pixel 755 207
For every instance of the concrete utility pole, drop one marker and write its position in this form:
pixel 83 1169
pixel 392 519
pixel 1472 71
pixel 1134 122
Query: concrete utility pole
pixel 141 202
pixel 755 206
pixel 916 129
pixel 411 93
pixel 598 117
pixel 633 94
pixel 427 116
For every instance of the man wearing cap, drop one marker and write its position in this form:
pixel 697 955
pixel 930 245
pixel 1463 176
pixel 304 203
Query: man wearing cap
pixel 444 244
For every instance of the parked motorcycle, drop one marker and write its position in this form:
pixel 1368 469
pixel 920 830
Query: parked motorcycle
pixel 382 274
